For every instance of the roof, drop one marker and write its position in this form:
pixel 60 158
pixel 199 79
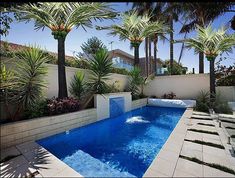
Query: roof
pixel 17 47
pixel 118 51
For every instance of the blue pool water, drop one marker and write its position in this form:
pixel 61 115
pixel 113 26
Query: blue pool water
pixel 122 146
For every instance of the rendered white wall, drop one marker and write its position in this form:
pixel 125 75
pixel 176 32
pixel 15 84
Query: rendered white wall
pixel 52 79
pixel 184 86
pixel 102 103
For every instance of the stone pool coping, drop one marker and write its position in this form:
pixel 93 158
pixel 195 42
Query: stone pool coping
pixel 165 162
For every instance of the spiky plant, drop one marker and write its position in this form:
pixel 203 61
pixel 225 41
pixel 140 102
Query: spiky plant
pixel 77 85
pixel 135 28
pixel 211 43
pixel 60 18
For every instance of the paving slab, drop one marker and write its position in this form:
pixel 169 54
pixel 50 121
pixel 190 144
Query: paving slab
pixel 190 167
pixel 9 152
pixel 180 173
pixel 193 136
pixel 212 172
pixel 201 113
pixel 153 173
pixel 192 146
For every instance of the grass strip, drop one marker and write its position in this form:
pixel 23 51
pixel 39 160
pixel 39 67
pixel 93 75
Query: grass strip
pixel 213 165
pixel 201 118
pixel 206 143
pixel 227 121
pixel 232 136
pixel 230 127
pixel 9 158
pixel 203 131
pixel 206 124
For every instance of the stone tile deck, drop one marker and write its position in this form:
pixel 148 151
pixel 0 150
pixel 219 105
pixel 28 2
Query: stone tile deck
pixel 179 167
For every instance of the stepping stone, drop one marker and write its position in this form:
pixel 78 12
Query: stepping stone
pixel 189 167
pixel 193 136
pixel 201 117
pixel 212 172
pixel 201 113
pixel 202 127
pixel 227 116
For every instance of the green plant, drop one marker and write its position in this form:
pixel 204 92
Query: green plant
pixel 211 43
pixel 170 95
pixel 177 68
pixel 203 102
pixel 93 45
pixel 119 71
pixel 135 81
pixel 60 18
pixel 136 28
pixel 77 85
pixel 113 88
pixel 29 78
pixel 39 109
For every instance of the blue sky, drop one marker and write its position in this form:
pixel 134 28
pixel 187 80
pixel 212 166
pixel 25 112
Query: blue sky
pixel 24 33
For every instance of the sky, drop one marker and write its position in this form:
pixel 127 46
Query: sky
pixel 24 34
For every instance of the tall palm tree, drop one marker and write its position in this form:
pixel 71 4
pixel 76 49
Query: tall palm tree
pixel 202 14
pixel 60 18
pixel 155 9
pixel 211 43
pixel 135 28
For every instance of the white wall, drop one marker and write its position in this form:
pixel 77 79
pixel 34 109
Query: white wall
pixel 184 86
pixel 52 79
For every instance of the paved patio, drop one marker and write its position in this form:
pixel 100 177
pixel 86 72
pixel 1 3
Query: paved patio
pixel 32 160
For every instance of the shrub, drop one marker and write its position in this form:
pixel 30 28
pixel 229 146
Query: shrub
pixel 77 85
pixel 113 88
pixel 119 71
pixel 58 106
pixel 170 95
pixel 203 103
pixel 37 110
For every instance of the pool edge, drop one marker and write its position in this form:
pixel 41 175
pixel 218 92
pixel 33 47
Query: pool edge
pixel 165 161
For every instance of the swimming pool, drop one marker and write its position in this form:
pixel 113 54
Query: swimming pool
pixel 123 146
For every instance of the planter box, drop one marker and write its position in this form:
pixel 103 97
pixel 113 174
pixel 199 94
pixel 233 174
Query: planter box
pixel 139 103
pixel 171 103
pixel 34 129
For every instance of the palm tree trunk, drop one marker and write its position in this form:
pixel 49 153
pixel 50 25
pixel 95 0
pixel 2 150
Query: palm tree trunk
pixel 61 69
pixel 150 58
pixel 171 44
pixel 201 62
pixel 155 53
pixel 146 57
pixel 136 54
pixel 212 79
pixel 182 49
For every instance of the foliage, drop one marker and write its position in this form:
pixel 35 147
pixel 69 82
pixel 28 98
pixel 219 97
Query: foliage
pixel 170 95
pixel 77 85
pixel 58 106
pixel 135 81
pixel 177 69
pixel 211 42
pixel 113 88
pixel 39 109
pixel 6 78
pixel 225 75
pixel 203 103
pixel 100 66
pixel 5 50
pixel 92 45
pixel 119 71
pixel 30 74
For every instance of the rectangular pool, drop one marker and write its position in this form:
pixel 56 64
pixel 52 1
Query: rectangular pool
pixel 122 146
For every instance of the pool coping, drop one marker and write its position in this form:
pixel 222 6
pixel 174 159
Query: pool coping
pixel 165 162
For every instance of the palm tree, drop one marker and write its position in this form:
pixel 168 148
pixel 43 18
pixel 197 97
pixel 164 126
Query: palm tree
pixel 155 9
pixel 135 28
pixel 60 18
pixel 202 14
pixel 211 43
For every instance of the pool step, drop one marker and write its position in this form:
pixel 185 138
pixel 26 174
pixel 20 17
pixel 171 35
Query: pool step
pixel 89 166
